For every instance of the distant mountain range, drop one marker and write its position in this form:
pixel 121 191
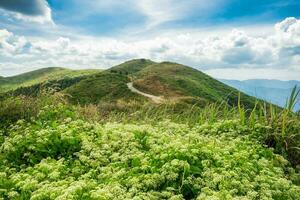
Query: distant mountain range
pixel 274 91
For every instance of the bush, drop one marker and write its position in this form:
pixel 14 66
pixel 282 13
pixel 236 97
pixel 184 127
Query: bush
pixel 73 159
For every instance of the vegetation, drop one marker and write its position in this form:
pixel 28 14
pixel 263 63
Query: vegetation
pixel 132 66
pixel 59 154
pixel 40 76
pixel 101 87
pixel 177 81
pixel 96 140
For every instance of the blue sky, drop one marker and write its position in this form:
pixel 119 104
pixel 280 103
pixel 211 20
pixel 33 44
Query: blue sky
pixel 111 18
pixel 225 38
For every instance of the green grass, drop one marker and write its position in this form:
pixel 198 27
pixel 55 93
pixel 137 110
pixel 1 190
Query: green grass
pixel 132 66
pixel 58 155
pixel 175 80
pixel 96 140
pixel 106 86
pixel 40 76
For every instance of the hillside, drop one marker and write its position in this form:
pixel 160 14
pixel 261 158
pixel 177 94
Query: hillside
pixel 105 86
pixel 171 81
pixel 40 76
pixel 175 83
pixel 274 91
pixel 178 82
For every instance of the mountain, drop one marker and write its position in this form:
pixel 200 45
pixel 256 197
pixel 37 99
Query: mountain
pixel 274 91
pixel 174 82
pixel 40 76
pixel 170 82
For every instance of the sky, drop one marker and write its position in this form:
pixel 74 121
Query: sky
pixel 229 39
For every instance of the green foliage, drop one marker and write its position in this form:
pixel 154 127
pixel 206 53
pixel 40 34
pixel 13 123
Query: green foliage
pixel 14 109
pixel 115 144
pixel 173 80
pixel 293 99
pixel 104 86
pixel 59 157
pixel 17 108
pixel 40 76
pixel 49 87
pixel 131 67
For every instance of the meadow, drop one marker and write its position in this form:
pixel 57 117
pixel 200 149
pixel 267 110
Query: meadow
pixel 52 149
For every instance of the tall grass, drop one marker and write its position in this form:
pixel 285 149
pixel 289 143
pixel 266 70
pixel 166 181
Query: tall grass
pixel 283 134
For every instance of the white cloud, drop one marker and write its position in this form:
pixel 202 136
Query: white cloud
pixel 237 50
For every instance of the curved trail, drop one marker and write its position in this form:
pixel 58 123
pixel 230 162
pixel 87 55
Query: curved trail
pixel 155 99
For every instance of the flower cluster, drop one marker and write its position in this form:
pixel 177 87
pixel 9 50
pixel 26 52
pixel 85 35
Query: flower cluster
pixel 74 159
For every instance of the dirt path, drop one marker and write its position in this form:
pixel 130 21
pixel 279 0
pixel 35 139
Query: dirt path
pixel 155 99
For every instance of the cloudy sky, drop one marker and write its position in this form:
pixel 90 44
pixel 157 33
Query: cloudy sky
pixel 232 39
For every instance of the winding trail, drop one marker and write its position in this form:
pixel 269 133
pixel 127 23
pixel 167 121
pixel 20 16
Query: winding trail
pixel 155 99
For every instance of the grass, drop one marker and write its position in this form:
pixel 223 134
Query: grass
pixel 131 67
pixel 173 80
pixel 167 151
pixel 40 76
pixel 104 86
pixel 176 83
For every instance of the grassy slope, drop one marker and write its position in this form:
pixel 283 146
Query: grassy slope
pixel 39 76
pixel 109 85
pixel 132 66
pixel 173 80
pixel 103 86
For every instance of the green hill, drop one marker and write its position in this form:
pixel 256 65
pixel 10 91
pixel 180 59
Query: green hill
pixel 40 76
pixel 132 66
pixel 175 81
pixel 105 86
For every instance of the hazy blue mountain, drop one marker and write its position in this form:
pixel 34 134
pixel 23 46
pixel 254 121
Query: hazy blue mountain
pixel 274 91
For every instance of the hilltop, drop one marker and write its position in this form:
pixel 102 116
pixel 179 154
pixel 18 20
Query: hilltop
pixel 132 66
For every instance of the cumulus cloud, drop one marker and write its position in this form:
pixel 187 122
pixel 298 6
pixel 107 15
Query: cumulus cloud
pixel 236 50
pixel 28 10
